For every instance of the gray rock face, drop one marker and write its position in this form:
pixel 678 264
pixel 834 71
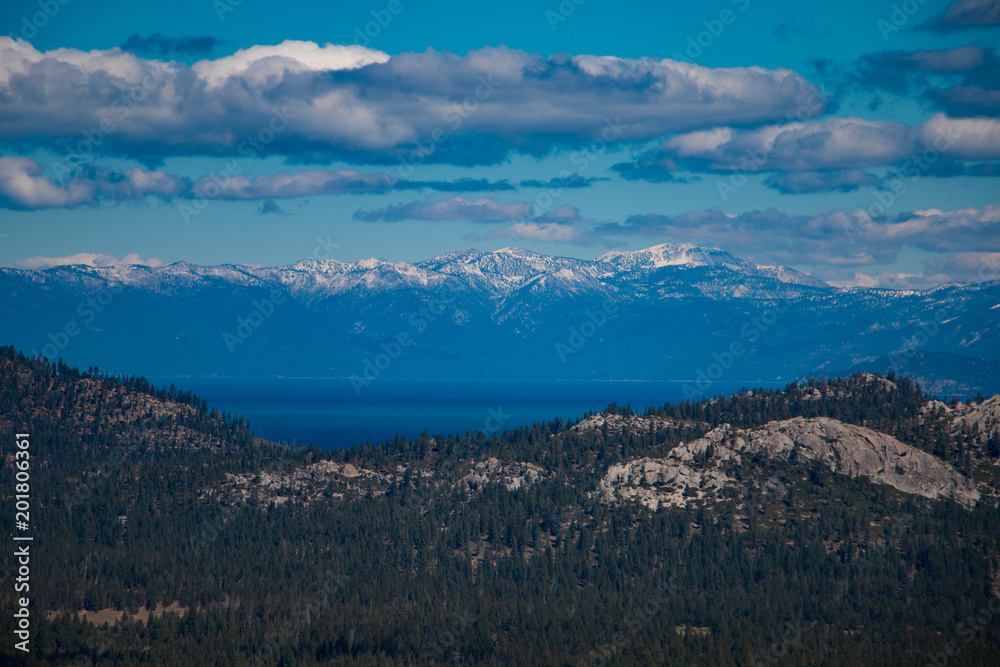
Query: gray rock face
pixel 660 482
pixel 615 423
pixel 982 419
pixel 511 475
pixel 843 448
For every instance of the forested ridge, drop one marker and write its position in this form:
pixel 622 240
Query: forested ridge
pixel 480 550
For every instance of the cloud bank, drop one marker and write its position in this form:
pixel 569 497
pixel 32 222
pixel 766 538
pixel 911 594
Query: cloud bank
pixel 312 103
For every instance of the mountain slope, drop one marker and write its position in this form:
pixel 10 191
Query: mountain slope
pixel 669 312
pixel 489 550
pixel 691 471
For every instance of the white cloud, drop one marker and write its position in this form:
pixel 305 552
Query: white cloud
pixel 24 185
pixel 87 259
pixel 260 65
pixel 839 245
pixel 348 101
pixel 829 144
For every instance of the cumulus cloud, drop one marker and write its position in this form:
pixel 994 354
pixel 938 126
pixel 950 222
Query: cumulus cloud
pixel 960 81
pixel 312 103
pixel 966 267
pixel 483 209
pixel 842 241
pixel 964 14
pixel 264 66
pixel 161 45
pixel 87 259
pixel 24 185
pixel 830 144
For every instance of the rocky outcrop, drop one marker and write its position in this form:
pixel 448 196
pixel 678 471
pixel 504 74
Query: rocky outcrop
pixel 309 483
pixel 303 484
pixel 616 423
pixel 661 482
pixel 511 475
pixel 696 469
pixel 981 419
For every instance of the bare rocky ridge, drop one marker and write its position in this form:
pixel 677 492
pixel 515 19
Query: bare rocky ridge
pixel 313 482
pixel 512 475
pixel 616 423
pixel 697 469
pixel 982 419
pixel 304 484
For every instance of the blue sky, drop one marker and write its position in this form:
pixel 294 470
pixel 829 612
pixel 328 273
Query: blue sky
pixel 857 141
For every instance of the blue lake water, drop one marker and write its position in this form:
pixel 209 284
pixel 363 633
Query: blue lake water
pixel 329 413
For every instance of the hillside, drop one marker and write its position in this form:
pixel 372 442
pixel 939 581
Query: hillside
pixel 853 520
pixel 939 373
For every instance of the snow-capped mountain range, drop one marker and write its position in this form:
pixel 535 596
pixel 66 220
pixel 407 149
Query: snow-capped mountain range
pixel 672 311
pixel 498 273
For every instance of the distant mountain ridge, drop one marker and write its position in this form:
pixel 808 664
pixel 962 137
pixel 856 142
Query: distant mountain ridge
pixel 672 311
pixel 499 272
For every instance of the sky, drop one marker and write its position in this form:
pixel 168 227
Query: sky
pixel 856 141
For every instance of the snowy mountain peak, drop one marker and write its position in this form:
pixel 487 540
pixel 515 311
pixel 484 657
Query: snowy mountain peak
pixel 671 254
pixel 317 265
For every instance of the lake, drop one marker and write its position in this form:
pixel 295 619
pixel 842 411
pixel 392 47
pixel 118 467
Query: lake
pixel 329 413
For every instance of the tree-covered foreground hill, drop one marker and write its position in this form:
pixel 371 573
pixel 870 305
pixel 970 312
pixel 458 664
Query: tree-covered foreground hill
pixel 852 522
